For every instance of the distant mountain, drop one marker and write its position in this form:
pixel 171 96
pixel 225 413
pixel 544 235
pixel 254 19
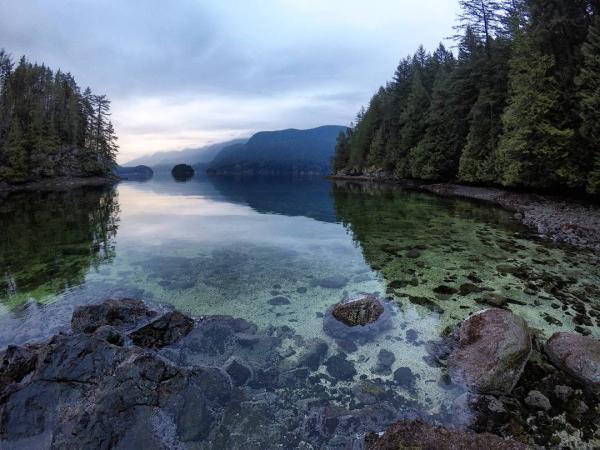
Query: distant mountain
pixel 189 156
pixel 280 153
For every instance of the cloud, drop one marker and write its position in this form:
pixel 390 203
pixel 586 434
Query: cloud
pixel 182 73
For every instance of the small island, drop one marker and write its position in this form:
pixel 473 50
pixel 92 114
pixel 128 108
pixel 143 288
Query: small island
pixel 182 172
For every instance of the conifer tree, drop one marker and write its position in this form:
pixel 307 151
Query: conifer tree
pixel 589 98
pixel 533 148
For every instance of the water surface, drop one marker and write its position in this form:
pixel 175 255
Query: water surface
pixel 231 246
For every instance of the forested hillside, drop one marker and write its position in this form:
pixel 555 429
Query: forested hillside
pixel 280 152
pixel 517 103
pixel 48 127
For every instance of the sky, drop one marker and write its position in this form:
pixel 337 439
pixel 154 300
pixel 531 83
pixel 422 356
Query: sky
pixel 188 73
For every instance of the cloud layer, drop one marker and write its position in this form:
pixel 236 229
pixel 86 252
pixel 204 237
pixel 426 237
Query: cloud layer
pixel 190 72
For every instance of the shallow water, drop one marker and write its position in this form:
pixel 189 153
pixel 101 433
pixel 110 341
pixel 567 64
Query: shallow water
pixel 229 247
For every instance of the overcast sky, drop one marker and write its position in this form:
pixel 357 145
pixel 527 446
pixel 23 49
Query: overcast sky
pixel 184 73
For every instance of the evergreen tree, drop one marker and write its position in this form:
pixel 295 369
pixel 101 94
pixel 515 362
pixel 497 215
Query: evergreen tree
pixel 48 128
pixel 589 97
pixel 533 148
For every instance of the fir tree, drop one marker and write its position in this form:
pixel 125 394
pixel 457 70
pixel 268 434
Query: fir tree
pixel 589 100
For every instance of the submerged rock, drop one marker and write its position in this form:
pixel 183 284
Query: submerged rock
pixel 340 368
pixel 577 355
pixel 418 435
pixel 493 348
pixel 358 311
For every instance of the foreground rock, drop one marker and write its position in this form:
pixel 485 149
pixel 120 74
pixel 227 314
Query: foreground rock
pixel 493 348
pixel 418 435
pixel 358 311
pixel 577 355
pixel 89 390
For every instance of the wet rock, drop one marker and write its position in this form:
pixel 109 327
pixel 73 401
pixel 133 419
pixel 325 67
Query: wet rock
pixel 279 301
pixel 445 290
pixel 314 354
pixel 426 303
pixel 495 300
pixel 368 392
pixel 17 362
pixel 468 288
pixel 122 314
pixel 405 378
pixel 360 319
pixel 111 335
pixel 358 311
pixel 577 355
pixel 537 400
pixel 301 290
pixel 418 435
pixel 493 348
pixel 385 361
pixel 335 282
pixel 164 331
pixel 340 368
pixel 238 371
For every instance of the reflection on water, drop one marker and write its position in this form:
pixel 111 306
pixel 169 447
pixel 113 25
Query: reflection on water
pixel 280 254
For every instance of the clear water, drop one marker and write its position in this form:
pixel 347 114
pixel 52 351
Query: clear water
pixel 227 246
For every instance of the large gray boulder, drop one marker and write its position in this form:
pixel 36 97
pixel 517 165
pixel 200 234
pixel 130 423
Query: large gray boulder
pixel 577 355
pixel 419 435
pixel 493 348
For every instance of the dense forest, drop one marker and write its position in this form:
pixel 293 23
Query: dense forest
pixel 48 127
pixel 517 103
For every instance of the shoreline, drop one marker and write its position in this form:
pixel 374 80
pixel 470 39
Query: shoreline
pixel 560 219
pixel 57 184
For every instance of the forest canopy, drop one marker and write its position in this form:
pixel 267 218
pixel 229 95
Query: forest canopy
pixel 517 104
pixel 48 127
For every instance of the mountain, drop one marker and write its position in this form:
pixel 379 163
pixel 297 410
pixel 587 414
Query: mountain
pixel 280 152
pixel 189 156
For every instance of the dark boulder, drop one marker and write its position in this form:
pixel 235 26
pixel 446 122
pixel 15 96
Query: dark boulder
pixel 577 355
pixel 358 311
pixel 493 348
pixel 122 314
pixel 182 172
pixel 418 435
pixel 164 331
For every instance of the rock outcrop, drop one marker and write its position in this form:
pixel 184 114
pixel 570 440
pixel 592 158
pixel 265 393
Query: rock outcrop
pixel 493 348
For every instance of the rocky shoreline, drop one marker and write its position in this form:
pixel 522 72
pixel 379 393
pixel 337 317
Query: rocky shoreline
pixel 57 184
pixel 560 219
pixel 129 375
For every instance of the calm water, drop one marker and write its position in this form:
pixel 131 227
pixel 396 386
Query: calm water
pixel 227 247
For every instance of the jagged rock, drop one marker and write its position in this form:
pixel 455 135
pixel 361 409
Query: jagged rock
pixel 165 330
pixel 418 435
pixel 577 355
pixel 122 314
pixel 493 348
pixel 358 311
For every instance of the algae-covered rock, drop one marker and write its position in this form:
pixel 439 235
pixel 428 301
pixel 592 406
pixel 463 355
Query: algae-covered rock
pixel 493 348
